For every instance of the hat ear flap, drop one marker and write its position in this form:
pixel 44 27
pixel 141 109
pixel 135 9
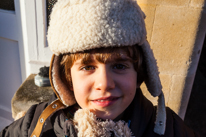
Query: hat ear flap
pixel 154 86
pixel 58 82
pixel 152 81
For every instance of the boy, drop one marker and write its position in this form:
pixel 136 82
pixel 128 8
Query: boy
pixel 100 59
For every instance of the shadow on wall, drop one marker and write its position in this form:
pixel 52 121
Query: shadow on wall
pixel 195 116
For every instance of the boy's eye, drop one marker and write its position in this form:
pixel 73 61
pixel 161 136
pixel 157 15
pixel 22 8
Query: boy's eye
pixel 88 68
pixel 120 66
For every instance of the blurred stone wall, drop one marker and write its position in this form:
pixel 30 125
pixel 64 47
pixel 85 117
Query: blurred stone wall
pixel 176 31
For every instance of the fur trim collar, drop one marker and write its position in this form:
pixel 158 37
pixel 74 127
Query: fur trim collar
pixel 87 125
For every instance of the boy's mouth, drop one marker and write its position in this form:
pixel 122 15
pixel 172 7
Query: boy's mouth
pixel 105 101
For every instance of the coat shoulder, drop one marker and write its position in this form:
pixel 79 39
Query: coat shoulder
pixel 24 126
pixel 175 126
pixel 180 129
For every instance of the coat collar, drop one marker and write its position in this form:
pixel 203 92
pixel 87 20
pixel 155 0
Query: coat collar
pixel 139 113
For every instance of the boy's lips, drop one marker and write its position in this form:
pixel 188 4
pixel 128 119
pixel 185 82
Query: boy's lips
pixel 105 101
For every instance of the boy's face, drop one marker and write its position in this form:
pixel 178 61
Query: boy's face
pixel 106 89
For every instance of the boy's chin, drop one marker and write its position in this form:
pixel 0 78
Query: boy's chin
pixel 107 115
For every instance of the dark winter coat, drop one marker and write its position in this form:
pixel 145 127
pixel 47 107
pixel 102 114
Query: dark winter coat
pixel 141 113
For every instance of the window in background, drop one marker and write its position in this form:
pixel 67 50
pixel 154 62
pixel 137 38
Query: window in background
pixel 7 5
pixel 49 6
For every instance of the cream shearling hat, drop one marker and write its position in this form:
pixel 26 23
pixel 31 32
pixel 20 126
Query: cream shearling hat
pixel 78 25
pixel 95 23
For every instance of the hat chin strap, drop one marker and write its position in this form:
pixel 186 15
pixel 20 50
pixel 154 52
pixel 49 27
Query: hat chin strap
pixel 160 123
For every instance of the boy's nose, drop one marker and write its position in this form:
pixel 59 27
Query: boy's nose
pixel 104 81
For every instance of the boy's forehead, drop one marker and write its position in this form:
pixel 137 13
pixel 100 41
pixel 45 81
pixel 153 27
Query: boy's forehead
pixel 103 57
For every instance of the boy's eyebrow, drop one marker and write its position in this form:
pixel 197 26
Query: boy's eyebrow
pixel 123 59
pixel 120 59
pixel 86 61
